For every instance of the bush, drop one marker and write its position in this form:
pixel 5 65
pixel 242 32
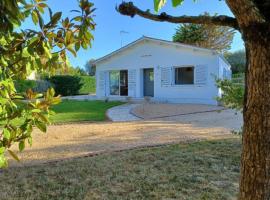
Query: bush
pixel 66 85
pixel 39 86
pixel 42 86
pixel 88 85
pixel 233 94
pixel 23 85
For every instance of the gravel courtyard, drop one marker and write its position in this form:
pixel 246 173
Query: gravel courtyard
pixel 80 139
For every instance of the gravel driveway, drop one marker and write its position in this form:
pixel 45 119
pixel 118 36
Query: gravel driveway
pixel 73 140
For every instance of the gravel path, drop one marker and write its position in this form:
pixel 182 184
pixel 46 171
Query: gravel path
pixel 73 140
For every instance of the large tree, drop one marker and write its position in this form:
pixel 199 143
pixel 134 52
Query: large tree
pixel 42 49
pixel 252 20
pixel 210 36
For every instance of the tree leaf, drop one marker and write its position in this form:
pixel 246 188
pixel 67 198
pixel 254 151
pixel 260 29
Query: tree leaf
pixel 34 17
pixel 177 2
pixel 41 126
pixel 158 4
pixel 56 17
pixel 3 161
pixel 21 145
pixel 14 155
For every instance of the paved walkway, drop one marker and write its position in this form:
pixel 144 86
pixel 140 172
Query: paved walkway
pixel 122 113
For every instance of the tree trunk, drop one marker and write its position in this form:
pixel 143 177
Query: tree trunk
pixel 255 161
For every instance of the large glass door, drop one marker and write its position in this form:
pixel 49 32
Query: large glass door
pixel 114 82
pixel 124 83
pixel 119 83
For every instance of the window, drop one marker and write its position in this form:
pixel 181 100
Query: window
pixel 114 82
pixel 184 75
pixel 119 83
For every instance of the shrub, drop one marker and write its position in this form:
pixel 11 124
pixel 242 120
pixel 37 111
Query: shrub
pixel 42 86
pixel 23 85
pixel 39 86
pixel 88 85
pixel 66 85
pixel 233 94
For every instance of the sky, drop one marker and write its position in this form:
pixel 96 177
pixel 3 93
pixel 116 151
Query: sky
pixel 110 23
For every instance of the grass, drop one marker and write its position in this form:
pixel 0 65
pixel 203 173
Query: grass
pixel 74 111
pixel 89 85
pixel 198 171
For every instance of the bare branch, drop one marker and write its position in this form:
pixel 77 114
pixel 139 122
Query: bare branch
pixel 129 9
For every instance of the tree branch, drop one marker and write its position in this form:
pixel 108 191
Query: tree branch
pixel 129 9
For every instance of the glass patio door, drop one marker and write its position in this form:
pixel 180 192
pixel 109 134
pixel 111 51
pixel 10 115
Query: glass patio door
pixel 119 83
pixel 114 82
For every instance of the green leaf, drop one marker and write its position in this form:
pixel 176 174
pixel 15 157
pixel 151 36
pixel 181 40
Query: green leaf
pixel 3 161
pixel 14 155
pixel 177 2
pixel 2 150
pixel 6 134
pixel 70 49
pixel 34 17
pixel 41 126
pixel 21 145
pixel 30 141
pixel 77 46
pixel 56 17
pixel 158 4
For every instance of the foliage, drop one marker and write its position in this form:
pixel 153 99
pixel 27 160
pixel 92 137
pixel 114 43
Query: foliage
pixel 237 60
pixel 232 94
pixel 42 86
pixel 90 67
pixel 24 51
pixel 76 71
pixel 39 86
pixel 23 85
pixel 66 85
pixel 205 170
pixel 209 36
pixel 88 85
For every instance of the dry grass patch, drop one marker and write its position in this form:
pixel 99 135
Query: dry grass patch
pixel 201 170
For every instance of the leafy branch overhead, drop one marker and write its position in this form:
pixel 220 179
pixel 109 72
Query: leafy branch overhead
pixel 129 9
pixel 43 49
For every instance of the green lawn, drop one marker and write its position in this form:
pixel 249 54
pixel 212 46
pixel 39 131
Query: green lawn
pixel 198 171
pixel 74 111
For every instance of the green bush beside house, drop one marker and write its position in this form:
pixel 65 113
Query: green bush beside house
pixel 65 85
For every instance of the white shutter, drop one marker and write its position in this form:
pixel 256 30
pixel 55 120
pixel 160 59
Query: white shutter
pixel 132 83
pixel 201 75
pixel 166 76
pixel 101 83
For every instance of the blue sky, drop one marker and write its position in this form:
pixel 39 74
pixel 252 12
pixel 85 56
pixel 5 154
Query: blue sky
pixel 110 23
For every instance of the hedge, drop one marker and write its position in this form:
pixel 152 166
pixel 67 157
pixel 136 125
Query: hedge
pixel 64 85
pixel 23 85
pixel 67 85
pixel 39 86
pixel 88 85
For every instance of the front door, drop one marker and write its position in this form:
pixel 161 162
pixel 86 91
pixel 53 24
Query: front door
pixel 148 83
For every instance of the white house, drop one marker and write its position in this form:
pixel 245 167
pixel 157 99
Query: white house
pixel 163 70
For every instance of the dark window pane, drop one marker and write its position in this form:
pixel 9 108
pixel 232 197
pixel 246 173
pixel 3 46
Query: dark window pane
pixel 184 75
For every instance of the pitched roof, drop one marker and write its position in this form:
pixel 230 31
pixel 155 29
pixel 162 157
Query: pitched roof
pixel 145 38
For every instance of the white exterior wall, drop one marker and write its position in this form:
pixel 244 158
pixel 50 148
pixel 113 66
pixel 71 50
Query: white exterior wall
pixel 148 54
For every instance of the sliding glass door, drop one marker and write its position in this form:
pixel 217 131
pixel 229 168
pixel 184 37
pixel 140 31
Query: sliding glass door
pixel 114 82
pixel 119 83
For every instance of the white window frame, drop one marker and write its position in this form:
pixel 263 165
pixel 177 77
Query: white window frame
pixel 183 66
